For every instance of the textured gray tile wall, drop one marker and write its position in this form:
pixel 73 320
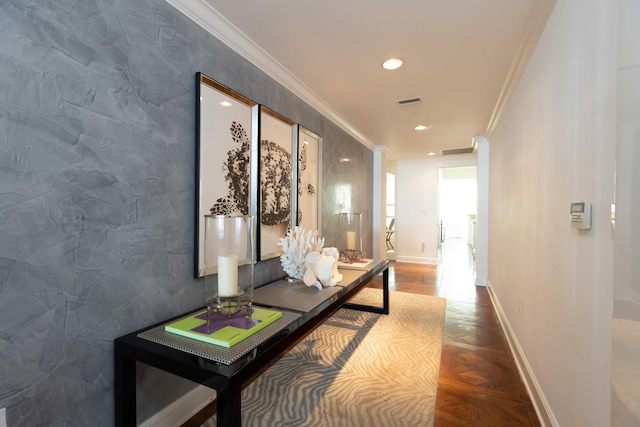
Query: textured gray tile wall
pixel 347 187
pixel 97 193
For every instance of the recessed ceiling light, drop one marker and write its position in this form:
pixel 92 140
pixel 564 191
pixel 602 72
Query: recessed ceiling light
pixel 344 159
pixel 431 153
pixel 421 127
pixel 225 104
pixel 392 64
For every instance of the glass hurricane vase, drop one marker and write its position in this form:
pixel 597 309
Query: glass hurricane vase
pixel 229 253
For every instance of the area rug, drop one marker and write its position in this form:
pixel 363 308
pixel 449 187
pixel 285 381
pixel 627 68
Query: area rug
pixel 357 369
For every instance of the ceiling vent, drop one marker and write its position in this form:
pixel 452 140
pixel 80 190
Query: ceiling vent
pixel 409 101
pixel 457 151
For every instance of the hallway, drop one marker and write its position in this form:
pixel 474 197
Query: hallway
pixel 479 384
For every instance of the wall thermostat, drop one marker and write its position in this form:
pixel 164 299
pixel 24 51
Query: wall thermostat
pixel 580 216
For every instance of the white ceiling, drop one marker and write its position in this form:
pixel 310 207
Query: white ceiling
pixel 463 57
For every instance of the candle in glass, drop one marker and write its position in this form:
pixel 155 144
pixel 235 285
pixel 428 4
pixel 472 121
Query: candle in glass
pixel 227 275
pixel 351 240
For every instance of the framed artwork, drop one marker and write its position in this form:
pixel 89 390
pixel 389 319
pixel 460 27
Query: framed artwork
pixel 309 194
pixel 277 138
pixel 226 137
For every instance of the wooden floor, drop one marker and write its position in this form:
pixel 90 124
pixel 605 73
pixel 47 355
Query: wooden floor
pixel 479 384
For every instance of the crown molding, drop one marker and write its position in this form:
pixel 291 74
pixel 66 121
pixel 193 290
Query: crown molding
pixel 203 14
pixel 383 149
pixel 536 21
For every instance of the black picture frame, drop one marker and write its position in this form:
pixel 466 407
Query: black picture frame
pixel 278 137
pixel 226 159
pixel 309 181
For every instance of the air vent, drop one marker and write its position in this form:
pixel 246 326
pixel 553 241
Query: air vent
pixel 457 151
pixel 409 101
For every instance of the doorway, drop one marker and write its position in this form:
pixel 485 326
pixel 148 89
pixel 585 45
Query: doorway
pixel 457 214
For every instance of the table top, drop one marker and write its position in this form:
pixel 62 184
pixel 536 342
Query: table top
pixel 297 296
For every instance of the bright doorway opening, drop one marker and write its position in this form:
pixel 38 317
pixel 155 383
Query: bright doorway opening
pixel 457 213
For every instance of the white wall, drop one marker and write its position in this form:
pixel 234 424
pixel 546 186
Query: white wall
pixel 626 309
pixel 417 206
pixel 554 145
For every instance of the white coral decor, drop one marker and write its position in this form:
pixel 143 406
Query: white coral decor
pixel 295 246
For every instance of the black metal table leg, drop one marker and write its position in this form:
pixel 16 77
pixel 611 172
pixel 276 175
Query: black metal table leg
pixel 385 298
pixel 230 405
pixel 385 291
pixel 124 390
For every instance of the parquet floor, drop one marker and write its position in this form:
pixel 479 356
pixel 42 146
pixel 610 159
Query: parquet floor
pixel 479 384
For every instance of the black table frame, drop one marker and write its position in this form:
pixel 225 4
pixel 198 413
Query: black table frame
pixel 227 380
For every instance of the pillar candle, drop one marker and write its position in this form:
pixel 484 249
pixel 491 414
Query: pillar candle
pixel 351 240
pixel 227 275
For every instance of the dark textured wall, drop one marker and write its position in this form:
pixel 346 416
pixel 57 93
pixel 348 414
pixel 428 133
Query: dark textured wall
pixel 97 192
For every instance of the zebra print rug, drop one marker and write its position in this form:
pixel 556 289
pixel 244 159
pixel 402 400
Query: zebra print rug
pixel 357 369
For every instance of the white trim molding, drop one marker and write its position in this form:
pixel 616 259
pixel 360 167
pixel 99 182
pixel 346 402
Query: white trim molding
pixel 536 21
pixel 203 14
pixel 417 260
pixel 540 403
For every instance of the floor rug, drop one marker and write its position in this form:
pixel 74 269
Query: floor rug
pixel 357 369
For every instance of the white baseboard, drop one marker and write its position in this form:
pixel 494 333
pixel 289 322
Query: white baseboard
pixel 181 410
pixel 417 260
pixel 540 403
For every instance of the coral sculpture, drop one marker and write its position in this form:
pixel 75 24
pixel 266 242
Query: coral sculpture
pixel 295 247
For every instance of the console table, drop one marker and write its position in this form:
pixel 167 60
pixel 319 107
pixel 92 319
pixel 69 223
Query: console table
pixel 228 379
